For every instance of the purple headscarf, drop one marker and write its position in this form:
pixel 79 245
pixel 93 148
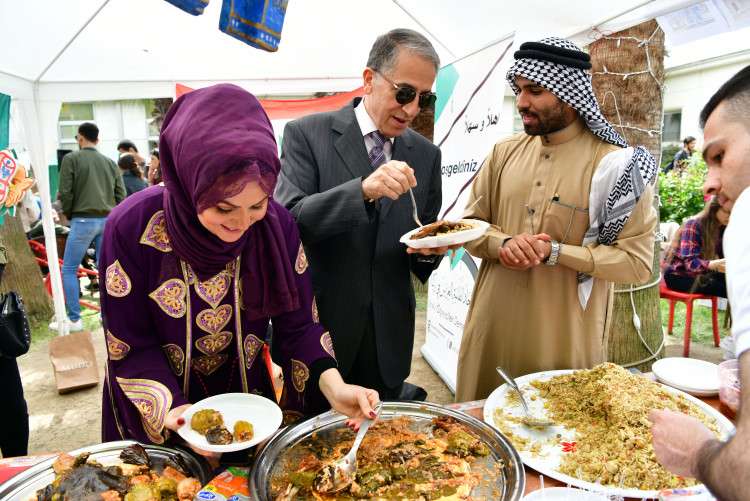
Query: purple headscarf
pixel 213 142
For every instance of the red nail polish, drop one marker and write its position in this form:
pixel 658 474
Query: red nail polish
pixel 180 421
pixel 372 414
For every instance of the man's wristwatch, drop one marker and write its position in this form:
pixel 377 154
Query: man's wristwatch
pixel 554 253
pixel 421 258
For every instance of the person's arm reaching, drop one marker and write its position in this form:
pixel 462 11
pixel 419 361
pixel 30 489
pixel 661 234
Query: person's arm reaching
pixel 684 446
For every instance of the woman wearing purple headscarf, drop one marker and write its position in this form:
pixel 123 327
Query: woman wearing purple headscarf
pixel 193 271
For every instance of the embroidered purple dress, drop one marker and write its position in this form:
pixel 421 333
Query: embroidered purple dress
pixel 180 326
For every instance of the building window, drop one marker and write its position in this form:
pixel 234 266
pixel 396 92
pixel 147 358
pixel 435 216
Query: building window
pixel 517 125
pixel 672 124
pixel 72 115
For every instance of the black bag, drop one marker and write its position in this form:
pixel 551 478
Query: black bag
pixel 15 331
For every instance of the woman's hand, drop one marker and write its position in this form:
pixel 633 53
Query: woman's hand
pixel 353 401
pixel 719 265
pixel 174 421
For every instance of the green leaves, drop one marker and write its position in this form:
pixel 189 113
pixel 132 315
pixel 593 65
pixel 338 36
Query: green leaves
pixel 681 192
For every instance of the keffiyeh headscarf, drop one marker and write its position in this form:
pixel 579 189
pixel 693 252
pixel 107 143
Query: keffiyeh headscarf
pixel 621 178
pixel 213 142
pixel 560 67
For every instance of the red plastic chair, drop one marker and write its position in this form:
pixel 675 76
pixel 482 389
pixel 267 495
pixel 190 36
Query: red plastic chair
pixel 674 296
pixel 40 254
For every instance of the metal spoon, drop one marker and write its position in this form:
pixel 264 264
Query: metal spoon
pixel 337 476
pixel 529 419
pixel 414 208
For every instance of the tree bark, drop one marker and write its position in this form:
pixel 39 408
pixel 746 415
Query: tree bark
pixel 628 79
pixel 22 273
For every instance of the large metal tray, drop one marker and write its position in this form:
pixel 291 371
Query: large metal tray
pixel 26 483
pixel 509 485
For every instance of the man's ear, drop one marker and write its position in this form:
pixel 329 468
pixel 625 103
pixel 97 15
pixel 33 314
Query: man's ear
pixel 369 78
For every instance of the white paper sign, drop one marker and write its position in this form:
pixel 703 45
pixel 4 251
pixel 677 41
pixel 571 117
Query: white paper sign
pixel 466 128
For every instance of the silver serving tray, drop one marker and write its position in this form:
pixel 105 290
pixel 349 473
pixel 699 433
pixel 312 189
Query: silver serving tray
pixel 509 485
pixel 26 483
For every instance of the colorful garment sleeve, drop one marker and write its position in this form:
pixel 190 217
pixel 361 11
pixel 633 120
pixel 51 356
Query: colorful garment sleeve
pixel 143 386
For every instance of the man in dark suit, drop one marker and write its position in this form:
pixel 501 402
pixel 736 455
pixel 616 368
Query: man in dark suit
pixel 351 210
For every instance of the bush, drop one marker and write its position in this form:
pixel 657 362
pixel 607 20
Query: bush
pixel 681 192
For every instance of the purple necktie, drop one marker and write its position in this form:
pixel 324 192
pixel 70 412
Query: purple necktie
pixel 377 155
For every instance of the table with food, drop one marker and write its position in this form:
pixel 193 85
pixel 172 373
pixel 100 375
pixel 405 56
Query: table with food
pixel 599 442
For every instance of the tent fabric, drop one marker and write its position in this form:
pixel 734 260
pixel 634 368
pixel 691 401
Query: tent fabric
pixel 91 50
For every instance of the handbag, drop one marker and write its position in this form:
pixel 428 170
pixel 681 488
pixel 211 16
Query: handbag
pixel 15 331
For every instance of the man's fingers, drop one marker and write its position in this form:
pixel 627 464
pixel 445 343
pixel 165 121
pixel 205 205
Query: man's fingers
pixel 523 250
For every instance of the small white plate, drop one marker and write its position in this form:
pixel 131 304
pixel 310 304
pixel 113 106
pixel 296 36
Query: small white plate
pixel 696 377
pixel 459 237
pixel 262 413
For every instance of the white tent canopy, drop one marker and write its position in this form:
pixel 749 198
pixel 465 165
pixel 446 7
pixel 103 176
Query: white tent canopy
pixel 87 50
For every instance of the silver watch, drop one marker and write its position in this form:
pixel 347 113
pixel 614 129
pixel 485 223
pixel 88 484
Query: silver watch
pixel 554 253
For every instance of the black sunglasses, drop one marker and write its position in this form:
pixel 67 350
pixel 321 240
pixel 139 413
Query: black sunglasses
pixel 405 95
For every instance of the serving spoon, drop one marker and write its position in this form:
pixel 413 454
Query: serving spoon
pixel 529 419
pixel 337 476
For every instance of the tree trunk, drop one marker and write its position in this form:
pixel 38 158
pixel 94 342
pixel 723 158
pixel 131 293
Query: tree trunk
pixel 22 273
pixel 628 79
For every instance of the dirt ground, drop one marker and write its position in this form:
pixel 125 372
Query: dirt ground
pixel 71 421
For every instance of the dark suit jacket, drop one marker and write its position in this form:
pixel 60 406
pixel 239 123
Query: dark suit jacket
pixel 356 259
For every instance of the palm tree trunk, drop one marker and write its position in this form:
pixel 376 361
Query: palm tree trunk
pixel 22 273
pixel 628 78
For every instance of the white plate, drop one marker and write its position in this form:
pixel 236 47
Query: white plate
pixel 548 463
pixel 459 237
pixel 696 377
pixel 262 413
pixel 565 494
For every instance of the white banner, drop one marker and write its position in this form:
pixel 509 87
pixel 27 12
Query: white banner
pixel 466 128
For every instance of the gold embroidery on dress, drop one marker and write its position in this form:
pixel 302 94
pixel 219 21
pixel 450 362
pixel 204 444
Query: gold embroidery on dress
pixel 301 264
pixel 327 343
pixel 234 269
pixel 300 374
pixel 155 233
pixel 176 358
pixel 153 400
pixel 241 294
pixel 208 365
pixel 214 289
pixel 116 348
pixel 315 316
pixel 186 273
pixel 290 417
pixel 170 296
pixel 214 320
pixel 253 345
pixel 214 343
pixel 116 281
pixel 191 279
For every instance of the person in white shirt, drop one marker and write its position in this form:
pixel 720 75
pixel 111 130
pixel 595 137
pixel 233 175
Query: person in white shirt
pixel 682 444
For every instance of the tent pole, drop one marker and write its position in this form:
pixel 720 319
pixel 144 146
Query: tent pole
pixel 65 47
pixel 48 226
pixel 406 11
